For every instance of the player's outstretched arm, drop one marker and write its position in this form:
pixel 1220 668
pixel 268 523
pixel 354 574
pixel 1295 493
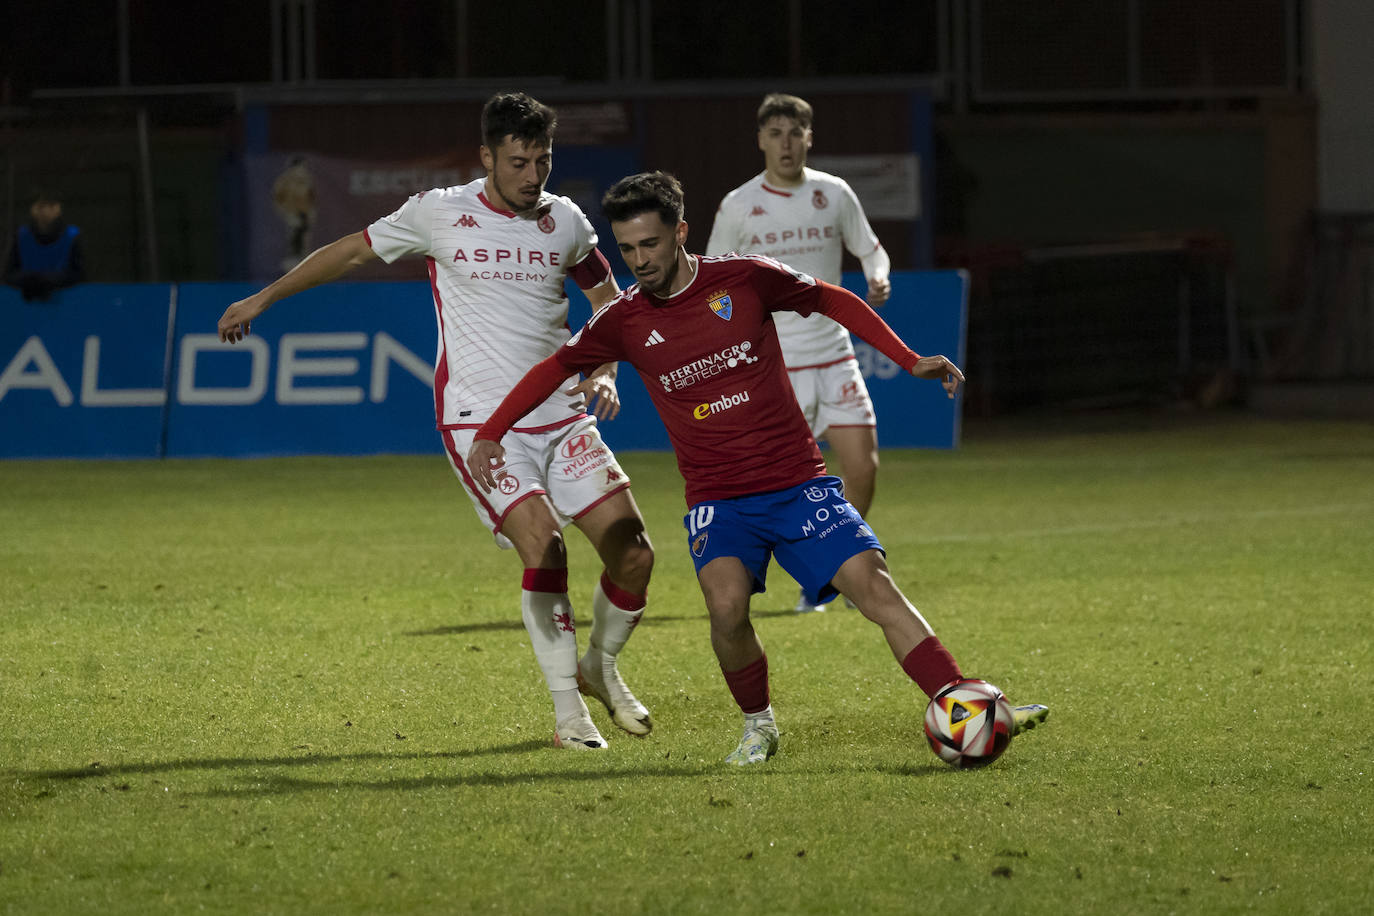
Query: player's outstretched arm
pixel 941 368
pixel 321 266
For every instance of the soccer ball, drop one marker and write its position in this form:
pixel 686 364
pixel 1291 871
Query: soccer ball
pixel 969 723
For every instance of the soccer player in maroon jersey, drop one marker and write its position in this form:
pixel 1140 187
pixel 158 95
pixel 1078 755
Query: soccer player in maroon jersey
pixel 498 251
pixel 699 332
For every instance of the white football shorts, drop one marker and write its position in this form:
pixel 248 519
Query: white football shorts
pixel 570 465
pixel 833 395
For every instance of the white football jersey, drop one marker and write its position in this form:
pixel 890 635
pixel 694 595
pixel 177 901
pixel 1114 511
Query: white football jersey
pixel 497 280
pixel 804 228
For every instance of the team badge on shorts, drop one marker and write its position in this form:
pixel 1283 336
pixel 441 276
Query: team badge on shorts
pixel 508 484
pixel 699 544
pixel 720 304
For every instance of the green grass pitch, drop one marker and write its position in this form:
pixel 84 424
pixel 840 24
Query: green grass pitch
pixel 301 686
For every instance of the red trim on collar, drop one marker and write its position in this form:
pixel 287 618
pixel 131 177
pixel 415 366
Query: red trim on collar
pixel 482 196
pixel 764 185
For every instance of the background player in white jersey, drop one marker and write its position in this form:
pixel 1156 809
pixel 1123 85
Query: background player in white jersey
pixel 498 251
pixel 802 217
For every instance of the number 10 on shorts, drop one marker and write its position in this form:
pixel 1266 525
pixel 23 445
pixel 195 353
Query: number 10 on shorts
pixel 699 518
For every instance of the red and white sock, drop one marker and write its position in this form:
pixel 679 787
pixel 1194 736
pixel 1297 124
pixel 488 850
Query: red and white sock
pixel 548 616
pixel 931 666
pixel 615 614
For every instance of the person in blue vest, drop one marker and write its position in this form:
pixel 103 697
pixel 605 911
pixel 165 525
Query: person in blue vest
pixel 46 254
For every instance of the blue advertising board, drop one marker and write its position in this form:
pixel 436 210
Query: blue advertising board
pixel 343 369
pixel 125 371
pixel 84 374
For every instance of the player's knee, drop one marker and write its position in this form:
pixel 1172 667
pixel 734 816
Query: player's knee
pixel 541 546
pixel 729 621
pixel 862 466
pixel 728 609
pixel 633 566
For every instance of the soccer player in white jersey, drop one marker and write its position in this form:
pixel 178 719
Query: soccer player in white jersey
pixel 498 250
pixel 802 217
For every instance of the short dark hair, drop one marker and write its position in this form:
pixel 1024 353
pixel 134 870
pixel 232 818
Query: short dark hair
pixel 516 114
pixel 656 192
pixel 788 106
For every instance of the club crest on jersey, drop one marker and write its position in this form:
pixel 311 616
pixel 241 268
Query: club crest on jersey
pixel 720 304
pixel 818 200
pixel 546 224
pixel 467 222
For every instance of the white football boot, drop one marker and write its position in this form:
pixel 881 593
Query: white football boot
pixel 756 745
pixel 626 711
pixel 1027 717
pixel 806 607
pixel 578 732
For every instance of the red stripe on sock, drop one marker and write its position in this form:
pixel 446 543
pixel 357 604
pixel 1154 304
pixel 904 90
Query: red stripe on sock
pixel 749 685
pixel 931 666
pixel 552 581
pixel 626 601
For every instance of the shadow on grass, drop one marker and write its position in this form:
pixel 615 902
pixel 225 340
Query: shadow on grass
pixel 263 785
pixel 95 770
pixel 287 785
pixel 649 619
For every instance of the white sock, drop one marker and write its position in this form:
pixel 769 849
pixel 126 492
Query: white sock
pixel 611 629
pixel 549 621
pixel 567 703
pixel 762 718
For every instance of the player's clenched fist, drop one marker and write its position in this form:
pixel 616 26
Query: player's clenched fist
pixel 485 458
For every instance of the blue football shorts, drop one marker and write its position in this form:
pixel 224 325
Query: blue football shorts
pixel 811 529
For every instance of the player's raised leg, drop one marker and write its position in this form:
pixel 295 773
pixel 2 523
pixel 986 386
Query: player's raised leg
pixel 616 529
pixel 866 580
pixel 726 585
pixel 548 616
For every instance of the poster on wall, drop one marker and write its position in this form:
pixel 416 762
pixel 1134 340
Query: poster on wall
pixel 298 201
